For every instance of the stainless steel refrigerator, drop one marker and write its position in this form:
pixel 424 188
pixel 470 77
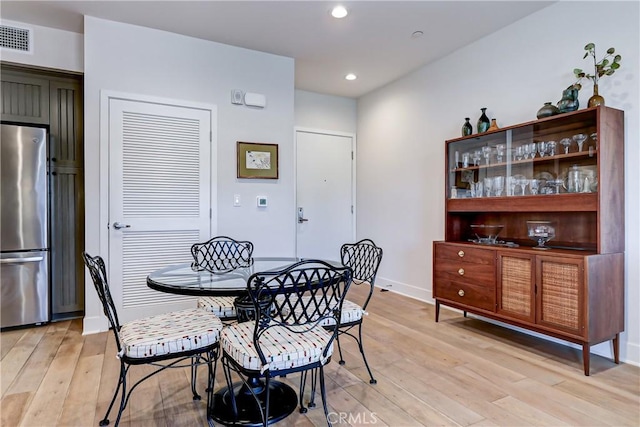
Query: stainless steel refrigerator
pixel 24 240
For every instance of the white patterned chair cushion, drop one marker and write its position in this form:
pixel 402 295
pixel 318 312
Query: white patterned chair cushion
pixel 169 333
pixel 351 312
pixel 222 307
pixel 283 348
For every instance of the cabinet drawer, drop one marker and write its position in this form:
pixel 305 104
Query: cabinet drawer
pixel 464 253
pixel 457 271
pixel 479 296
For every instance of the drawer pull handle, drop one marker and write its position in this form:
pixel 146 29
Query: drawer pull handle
pixel 461 254
pixel 461 292
pixel 461 272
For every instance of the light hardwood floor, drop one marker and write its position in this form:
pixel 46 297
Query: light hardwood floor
pixel 458 372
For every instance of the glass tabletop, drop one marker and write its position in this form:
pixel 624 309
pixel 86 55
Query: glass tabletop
pixel 183 280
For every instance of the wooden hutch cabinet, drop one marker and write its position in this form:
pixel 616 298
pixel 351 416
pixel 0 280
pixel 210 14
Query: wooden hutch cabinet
pixel 573 287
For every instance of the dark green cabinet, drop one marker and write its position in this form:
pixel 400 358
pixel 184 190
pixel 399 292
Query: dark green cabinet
pixel 55 99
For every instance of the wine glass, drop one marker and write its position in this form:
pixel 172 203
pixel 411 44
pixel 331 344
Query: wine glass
pixel 532 149
pixel 580 139
pixel 477 155
pixel 551 147
pixel 566 143
pixel 520 152
pixel 541 232
pixel 542 148
pixel 486 153
pixel 594 137
pixel 500 152
pixel 527 151
pixel 512 182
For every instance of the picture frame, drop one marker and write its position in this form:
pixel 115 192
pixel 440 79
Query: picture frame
pixel 257 160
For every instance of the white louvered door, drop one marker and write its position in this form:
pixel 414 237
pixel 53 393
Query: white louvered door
pixel 159 192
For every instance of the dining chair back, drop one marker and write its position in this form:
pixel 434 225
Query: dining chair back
pixel 172 340
pixel 364 258
pixel 222 254
pixel 287 335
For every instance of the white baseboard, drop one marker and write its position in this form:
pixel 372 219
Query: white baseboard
pixel 94 325
pixel 404 289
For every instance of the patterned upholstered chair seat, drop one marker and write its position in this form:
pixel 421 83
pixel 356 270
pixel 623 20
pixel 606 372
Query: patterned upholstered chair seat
pixel 169 333
pixel 223 307
pixel 284 348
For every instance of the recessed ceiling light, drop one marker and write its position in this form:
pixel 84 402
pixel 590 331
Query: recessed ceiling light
pixel 416 34
pixel 350 76
pixel 339 12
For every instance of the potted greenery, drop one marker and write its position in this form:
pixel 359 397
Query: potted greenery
pixel 604 67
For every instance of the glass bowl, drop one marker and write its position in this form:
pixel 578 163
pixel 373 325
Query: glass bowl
pixel 486 233
pixel 541 232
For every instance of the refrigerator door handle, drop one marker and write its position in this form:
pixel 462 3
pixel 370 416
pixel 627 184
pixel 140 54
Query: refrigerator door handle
pixel 17 260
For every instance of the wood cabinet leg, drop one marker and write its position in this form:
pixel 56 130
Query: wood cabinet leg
pixel 585 357
pixel 616 349
pixel 464 313
pixel 437 310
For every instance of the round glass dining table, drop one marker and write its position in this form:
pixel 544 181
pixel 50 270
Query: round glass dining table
pixel 182 279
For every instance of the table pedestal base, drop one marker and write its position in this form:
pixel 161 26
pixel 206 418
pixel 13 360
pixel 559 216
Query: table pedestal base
pixel 282 398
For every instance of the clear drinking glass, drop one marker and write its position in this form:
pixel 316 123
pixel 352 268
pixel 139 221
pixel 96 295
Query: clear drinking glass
pixel 532 149
pixel 512 182
pixel 527 151
pixel 580 139
pixel 523 182
pixel 486 153
pixel 534 185
pixel 520 152
pixel 566 143
pixel 477 155
pixel 488 186
pixel 551 147
pixel 500 152
pixel 498 185
pixel 465 160
pixel 542 148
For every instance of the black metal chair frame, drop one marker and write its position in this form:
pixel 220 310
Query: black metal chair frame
pixel 205 355
pixel 324 285
pixel 222 254
pixel 364 258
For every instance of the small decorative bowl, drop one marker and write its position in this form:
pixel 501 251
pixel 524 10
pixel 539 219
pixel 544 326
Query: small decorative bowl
pixel 487 233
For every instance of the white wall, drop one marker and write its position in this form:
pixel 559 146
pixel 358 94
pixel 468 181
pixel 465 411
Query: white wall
pixel 402 129
pixel 52 48
pixel 126 58
pixel 325 112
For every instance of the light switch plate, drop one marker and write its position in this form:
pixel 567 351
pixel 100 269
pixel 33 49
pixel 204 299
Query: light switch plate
pixel 236 200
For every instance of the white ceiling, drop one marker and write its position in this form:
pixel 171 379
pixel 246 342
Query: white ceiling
pixel 374 41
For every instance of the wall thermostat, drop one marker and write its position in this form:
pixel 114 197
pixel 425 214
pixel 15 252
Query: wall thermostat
pixel 237 97
pixel 262 202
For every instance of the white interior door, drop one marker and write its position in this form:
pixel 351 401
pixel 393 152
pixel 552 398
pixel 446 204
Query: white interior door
pixel 160 176
pixel 325 194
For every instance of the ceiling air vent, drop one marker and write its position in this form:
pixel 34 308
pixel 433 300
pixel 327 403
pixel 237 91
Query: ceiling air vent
pixel 15 38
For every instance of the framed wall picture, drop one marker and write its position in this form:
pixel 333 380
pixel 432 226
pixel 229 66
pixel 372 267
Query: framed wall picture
pixel 258 161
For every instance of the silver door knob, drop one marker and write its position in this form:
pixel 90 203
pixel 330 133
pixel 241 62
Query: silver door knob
pixel 118 225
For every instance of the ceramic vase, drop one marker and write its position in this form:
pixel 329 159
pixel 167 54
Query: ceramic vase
pixel 483 121
pixel 596 99
pixel 569 101
pixel 547 110
pixel 467 129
